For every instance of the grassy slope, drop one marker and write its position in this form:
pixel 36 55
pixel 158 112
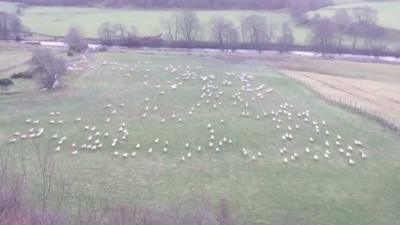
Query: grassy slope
pixel 264 192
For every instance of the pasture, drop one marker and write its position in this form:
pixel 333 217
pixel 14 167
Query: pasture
pixel 159 130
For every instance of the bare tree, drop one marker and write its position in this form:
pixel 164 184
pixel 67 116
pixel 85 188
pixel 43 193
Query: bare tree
pixel 323 34
pixel 257 30
pixel 343 21
pixel 286 40
pixel 365 15
pixel 223 31
pixel 105 33
pixel 189 25
pixel 47 68
pixel 75 40
pixel 171 27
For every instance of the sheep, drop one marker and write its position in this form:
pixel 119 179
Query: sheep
pixel 108 120
pixel 327 144
pixel 307 150
pixel 52 122
pixel 36 122
pixel 316 158
pixel 212 137
pixel 189 155
pixel 137 146
pixel 165 149
pixel 74 152
pixel 253 158
pixel 339 137
pixel 116 153
pixel 327 133
pixel 350 148
pixel 55 136
pixel 180 120
pixel 183 159
pixel 150 150
pixel 187 145
pixel 93 129
pixel 285 160
pixel 210 144
pixel 358 143
pixel 106 134
pixel 13 140
pixel 144 115
pixel 352 162
pixel 341 150
pixel 337 143
pixel 114 112
pixel 133 154
pixel 259 154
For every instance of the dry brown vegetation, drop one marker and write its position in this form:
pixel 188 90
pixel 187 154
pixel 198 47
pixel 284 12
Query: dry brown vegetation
pixel 370 86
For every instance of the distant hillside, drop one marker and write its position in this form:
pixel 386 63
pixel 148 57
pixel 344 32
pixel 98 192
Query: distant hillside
pixel 198 4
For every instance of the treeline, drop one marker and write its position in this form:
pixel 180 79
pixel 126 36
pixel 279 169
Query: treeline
pixel 354 31
pixel 295 5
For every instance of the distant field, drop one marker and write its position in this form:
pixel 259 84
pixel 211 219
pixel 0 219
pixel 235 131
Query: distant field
pixel 8 7
pixel 263 189
pixel 388 11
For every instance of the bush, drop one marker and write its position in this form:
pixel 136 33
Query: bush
pixel 5 83
pixel 21 75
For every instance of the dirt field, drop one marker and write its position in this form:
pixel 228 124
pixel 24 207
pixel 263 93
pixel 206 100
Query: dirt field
pixel 376 92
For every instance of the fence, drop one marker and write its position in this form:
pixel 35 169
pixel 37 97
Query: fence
pixel 383 118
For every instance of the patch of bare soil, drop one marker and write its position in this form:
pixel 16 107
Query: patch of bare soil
pixel 374 97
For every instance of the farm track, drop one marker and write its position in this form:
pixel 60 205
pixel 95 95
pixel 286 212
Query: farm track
pixel 377 98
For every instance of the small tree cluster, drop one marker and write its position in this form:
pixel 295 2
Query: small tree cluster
pixel 359 25
pixel 47 68
pixel 11 27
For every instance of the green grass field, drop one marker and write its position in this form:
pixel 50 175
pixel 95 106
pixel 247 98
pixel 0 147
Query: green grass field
pixel 263 191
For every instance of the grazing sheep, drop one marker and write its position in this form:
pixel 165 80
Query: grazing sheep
pixel 316 158
pixel 352 162
pixel 116 153
pixel 327 143
pixel 74 152
pixel 307 150
pixel 133 154
pixel 137 146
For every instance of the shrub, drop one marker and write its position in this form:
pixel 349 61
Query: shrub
pixel 21 75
